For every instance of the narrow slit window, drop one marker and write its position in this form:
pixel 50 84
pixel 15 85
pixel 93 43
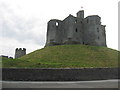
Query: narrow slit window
pixel 75 21
pixel 97 29
pixel 76 30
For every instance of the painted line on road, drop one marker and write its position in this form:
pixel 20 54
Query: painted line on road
pixel 61 82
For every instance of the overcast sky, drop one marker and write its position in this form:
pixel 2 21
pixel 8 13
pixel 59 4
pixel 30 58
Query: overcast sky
pixel 23 23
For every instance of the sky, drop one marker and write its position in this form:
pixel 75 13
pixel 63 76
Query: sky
pixel 23 23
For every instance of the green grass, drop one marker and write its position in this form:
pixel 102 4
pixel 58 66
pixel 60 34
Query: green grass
pixel 67 56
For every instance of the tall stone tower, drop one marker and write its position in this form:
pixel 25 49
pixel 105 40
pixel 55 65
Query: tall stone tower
pixel 76 30
pixel 20 52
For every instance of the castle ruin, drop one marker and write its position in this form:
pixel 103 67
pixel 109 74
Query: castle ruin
pixel 76 30
pixel 20 52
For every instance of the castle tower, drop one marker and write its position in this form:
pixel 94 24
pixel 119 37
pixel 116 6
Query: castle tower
pixel 72 30
pixel 76 30
pixel 94 32
pixel 69 26
pixel 80 14
pixel 20 52
pixel 54 32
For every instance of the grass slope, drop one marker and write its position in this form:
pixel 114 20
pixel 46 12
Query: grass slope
pixel 67 56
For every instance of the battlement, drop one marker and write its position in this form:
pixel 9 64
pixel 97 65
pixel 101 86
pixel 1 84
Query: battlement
pixel 20 52
pixel 76 30
pixel 94 19
pixel 20 49
pixel 4 56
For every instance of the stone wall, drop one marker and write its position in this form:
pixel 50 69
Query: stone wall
pixel 53 74
pixel 76 30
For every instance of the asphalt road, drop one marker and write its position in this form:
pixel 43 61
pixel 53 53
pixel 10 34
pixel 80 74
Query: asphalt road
pixel 57 84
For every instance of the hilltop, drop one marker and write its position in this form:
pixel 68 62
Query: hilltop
pixel 67 56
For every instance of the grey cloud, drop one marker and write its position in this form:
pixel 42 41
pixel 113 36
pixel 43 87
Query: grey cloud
pixel 20 29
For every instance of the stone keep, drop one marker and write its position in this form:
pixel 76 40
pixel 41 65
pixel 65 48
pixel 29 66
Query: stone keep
pixel 76 30
pixel 20 52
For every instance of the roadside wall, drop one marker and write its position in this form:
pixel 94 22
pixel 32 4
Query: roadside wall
pixel 53 74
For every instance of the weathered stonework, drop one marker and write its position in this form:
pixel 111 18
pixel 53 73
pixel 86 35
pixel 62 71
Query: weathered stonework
pixel 20 52
pixel 76 30
pixel 57 74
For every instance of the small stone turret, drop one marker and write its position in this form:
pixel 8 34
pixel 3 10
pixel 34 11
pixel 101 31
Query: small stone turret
pixel 80 14
pixel 20 52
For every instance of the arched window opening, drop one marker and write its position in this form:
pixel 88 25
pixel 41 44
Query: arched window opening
pixel 57 24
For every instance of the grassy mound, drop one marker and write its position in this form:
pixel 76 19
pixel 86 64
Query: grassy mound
pixel 67 56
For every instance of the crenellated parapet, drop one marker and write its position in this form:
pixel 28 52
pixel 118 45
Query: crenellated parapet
pixel 20 52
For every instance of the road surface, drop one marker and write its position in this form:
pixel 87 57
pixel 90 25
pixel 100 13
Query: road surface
pixel 61 84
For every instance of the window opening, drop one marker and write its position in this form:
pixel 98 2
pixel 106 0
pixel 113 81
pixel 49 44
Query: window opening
pixel 57 24
pixel 76 30
pixel 75 21
pixel 69 38
pixel 97 29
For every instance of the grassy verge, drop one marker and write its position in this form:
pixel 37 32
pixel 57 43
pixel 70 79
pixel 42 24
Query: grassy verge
pixel 66 56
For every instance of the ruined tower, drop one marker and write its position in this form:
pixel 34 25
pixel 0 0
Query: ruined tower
pixel 76 30
pixel 20 52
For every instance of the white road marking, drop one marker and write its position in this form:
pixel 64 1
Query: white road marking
pixel 61 84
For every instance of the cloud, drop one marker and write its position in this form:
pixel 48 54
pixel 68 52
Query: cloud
pixel 17 31
pixel 9 45
pixel 24 22
pixel 19 28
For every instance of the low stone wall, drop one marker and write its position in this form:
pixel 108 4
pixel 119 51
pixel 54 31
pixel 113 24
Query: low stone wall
pixel 53 74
